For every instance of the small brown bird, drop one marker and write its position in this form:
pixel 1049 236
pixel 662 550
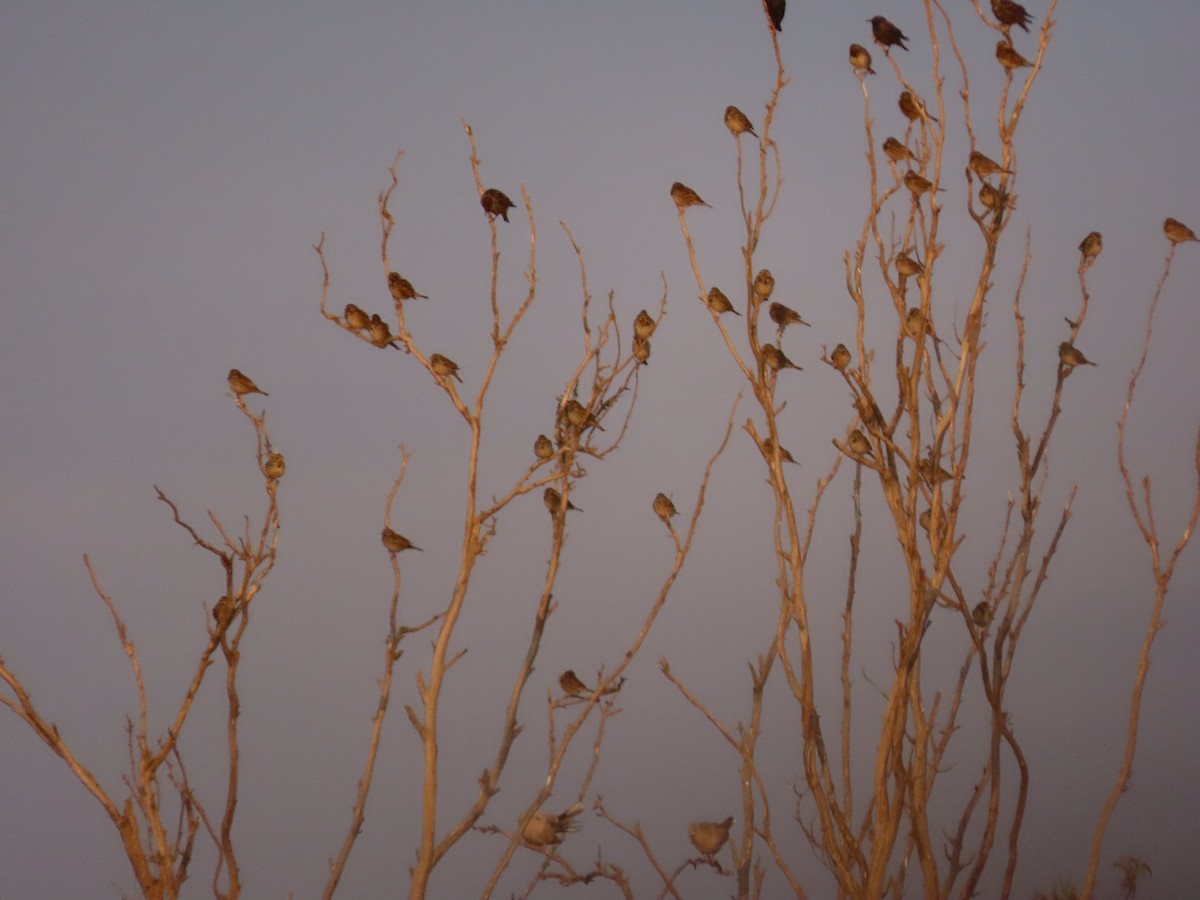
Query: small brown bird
pixel 496 203
pixel 643 326
pixel 444 366
pixel 916 183
pixel 241 385
pixel 783 316
pixel 981 615
pixel 402 288
pixel 858 444
pixel 907 266
pixel 579 417
pixel 395 542
pixel 719 303
pixel 275 466
pixel 994 198
pixel 983 165
pixel 913 108
pixel 1009 13
pixel 641 352
pixel 709 837
pixel 840 357
pixel 776 9
pixel 868 411
pixel 764 283
pixel 886 34
pixel 570 684
pixel 1177 232
pixel 896 151
pixel 543 447
pixel 1071 356
pixel 356 318
pixel 915 321
pixel 684 196
pixel 1008 56
pixel 736 122
pixel 1091 246
pixel 929 472
pixel 381 335
pixel 775 359
pixel 553 501
pixel 664 508
pixel 860 59
pixel 545 829
pixel 769 450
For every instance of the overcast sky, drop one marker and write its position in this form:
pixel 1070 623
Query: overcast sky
pixel 166 169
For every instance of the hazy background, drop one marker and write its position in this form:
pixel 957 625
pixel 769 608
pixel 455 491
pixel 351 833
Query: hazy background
pixel 165 170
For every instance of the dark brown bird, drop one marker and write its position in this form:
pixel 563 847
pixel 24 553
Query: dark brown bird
pixel 769 450
pixel 1091 246
pixel 1009 13
pixel 1071 356
pixel 736 122
pixel 783 316
pixel 1008 56
pixel 579 417
pixel 402 288
pixel 916 183
pixel 981 615
pixel 643 325
pixel 496 203
pixel 545 829
pixel 719 303
pixel 886 34
pixel 664 508
pixel 570 684
pixel 444 366
pixel 840 357
pixel 907 266
pixel 1177 232
pixel 356 318
pixel 380 334
pixel 684 196
pixel 275 466
pixel 241 385
pixel 553 501
pixel 774 359
pixel 776 9
pixel 396 543
pixel 860 59
pixel 543 447
pixel 913 108
pixel 764 283
pixel 983 166
pixel 896 151
pixel 994 198
pixel 709 837
pixel 858 444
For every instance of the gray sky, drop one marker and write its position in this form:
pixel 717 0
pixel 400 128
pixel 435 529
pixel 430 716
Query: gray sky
pixel 165 171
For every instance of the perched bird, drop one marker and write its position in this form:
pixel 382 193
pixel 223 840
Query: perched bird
pixel 1071 356
pixel 776 9
pixel 913 108
pixel 783 316
pixel 840 357
pixel 543 447
pixel 664 508
pixel 931 473
pixel 1091 246
pixel 444 366
pixel 496 203
pixel 709 837
pixel 553 501
pixel 643 326
pixel 275 466
pixel 775 359
pixel 896 151
pixel 916 183
pixel 570 684
pixel 1177 232
pixel 994 198
pixel 381 335
pixel 402 288
pixel 858 443
pixel 241 385
pixel 1010 13
pixel 684 196
pixel 907 266
pixel 395 542
pixel 860 59
pixel 1008 56
pixel 983 165
pixel 981 615
pixel 544 828
pixel 579 417
pixel 769 450
pixel 886 34
pixel 868 411
pixel 764 283
pixel 719 303
pixel 641 352
pixel 736 122
pixel 915 322
pixel 356 318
